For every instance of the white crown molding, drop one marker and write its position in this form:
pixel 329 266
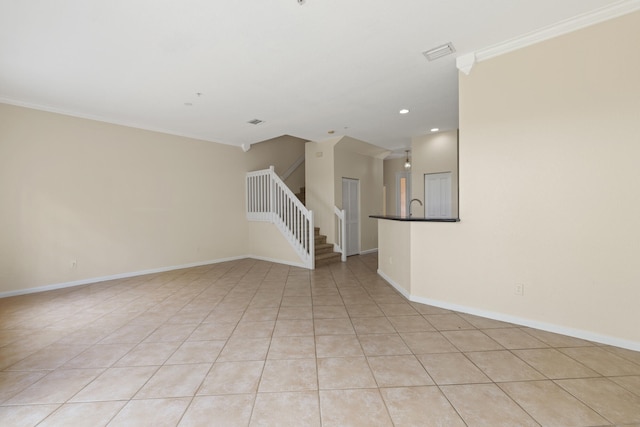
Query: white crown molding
pixel 104 119
pixel 466 62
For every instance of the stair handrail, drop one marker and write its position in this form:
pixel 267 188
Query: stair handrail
pixel 295 165
pixel 341 230
pixel 269 199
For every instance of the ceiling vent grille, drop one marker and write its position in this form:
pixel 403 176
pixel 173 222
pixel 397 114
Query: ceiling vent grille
pixel 439 52
pixel 255 122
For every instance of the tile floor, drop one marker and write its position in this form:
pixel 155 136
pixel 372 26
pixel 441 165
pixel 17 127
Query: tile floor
pixel 251 343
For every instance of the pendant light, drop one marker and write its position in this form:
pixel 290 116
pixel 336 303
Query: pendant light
pixel 407 163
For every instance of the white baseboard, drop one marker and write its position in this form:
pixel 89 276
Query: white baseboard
pixel 369 251
pixel 549 327
pixel 114 277
pixel 397 287
pixel 277 261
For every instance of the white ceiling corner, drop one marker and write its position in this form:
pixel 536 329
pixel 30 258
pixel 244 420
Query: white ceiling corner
pixel 204 68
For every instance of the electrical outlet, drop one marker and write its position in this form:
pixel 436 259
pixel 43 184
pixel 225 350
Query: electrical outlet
pixel 519 289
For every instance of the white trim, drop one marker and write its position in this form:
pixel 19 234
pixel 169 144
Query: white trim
pixel 549 327
pixel 369 251
pixel 115 276
pixel 466 62
pixel 279 261
pixel 293 167
pixel 397 287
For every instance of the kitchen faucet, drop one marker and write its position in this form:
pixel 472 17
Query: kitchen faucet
pixel 411 202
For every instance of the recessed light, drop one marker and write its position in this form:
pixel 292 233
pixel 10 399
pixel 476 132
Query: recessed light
pixel 403 111
pixel 188 104
pixel 255 122
pixel 331 132
pixel 435 129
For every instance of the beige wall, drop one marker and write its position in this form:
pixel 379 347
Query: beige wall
pixel 114 199
pixel 319 181
pixel 434 153
pixel 368 171
pixel 281 153
pixel 549 198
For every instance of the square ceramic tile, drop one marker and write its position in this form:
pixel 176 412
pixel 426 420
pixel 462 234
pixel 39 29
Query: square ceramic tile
pixel 291 409
pixel 329 312
pixel 630 383
pixel 396 371
pixel 56 387
pixel 485 405
pixel 345 373
pixel 554 364
pixel 452 368
pixel 196 352
pixel 292 348
pixel 115 384
pixel 12 383
pixel 551 405
pixel 364 310
pixel 333 327
pixel 338 346
pixel 293 328
pixel 372 325
pixel 232 378
pixel 410 324
pixel 420 407
pixel 219 411
pixel 254 329
pixel 383 345
pixel 610 400
pixel 244 349
pixel 448 322
pixel 514 338
pixel 503 366
pixel 427 342
pixel 174 381
pixel 172 332
pixel 89 414
pixel 471 341
pixel 294 313
pixel 399 309
pixel 602 361
pixel 212 331
pixel 289 375
pixel 25 416
pixel 148 354
pixel 353 408
pixel 151 413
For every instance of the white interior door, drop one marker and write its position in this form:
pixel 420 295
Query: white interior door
pixel 351 206
pixel 437 189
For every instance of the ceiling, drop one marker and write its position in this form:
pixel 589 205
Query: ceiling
pixel 204 68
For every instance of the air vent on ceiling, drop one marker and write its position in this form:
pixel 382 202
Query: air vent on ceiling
pixel 439 52
pixel 255 122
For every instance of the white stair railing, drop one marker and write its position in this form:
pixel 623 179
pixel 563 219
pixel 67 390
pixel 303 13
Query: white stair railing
pixel 269 199
pixel 341 229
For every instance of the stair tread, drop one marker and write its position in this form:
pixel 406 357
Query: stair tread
pixel 328 255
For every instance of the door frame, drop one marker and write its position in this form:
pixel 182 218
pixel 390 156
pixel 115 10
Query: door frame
pixel 352 251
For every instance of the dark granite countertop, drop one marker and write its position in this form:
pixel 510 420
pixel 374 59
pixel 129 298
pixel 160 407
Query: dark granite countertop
pixel 414 218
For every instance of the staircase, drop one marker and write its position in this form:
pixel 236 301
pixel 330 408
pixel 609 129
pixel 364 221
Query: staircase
pixel 270 200
pixel 324 253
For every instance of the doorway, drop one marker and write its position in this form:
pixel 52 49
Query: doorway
pixel 403 193
pixel 351 206
pixel 437 195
